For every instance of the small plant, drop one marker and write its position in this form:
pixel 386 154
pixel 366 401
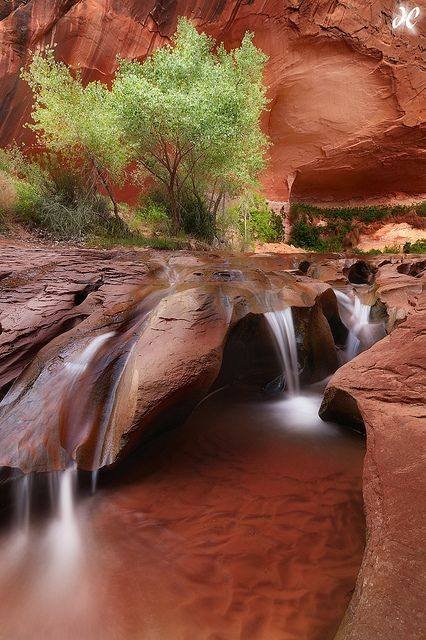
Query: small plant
pixel 54 196
pixel 306 236
pixel 196 219
pixel 152 213
pixel 253 220
pixel 135 240
pixel 415 247
pixel 330 229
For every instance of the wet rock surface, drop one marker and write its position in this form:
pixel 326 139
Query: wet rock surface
pixel 138 337
pixel 384 388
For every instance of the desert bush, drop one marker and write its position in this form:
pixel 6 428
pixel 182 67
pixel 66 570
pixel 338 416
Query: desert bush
pixel 337 223
pixel 251 219
pixel 196 218
pixel 415 247
pixel 152 214
pixel 55 197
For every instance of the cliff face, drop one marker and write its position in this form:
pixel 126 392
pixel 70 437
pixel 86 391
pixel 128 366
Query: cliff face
pixel 346 113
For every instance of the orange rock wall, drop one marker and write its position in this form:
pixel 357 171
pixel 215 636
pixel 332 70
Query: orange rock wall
pixel 346 106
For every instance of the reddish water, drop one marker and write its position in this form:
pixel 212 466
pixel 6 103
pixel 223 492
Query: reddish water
pixel 246 524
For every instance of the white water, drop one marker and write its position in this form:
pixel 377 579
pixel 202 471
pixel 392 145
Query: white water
pixel 22 491
pixel 355 315
pixel 64 535
pixel 360 317
pixel 79 365
pixel 282 327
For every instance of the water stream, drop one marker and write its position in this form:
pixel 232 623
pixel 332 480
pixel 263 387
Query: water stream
pixel 282 327
pixel 246 522
pixel 356 316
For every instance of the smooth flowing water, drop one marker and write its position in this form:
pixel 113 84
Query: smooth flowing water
pixel 356 316
pixel 282 328
pixel 244 524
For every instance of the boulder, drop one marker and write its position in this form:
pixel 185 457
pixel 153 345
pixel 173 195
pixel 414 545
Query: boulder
pixel 398 286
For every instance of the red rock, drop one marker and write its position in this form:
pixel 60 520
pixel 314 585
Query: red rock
pixel 399 291
pixel 168 319
pixel 346 112
pixel 384 387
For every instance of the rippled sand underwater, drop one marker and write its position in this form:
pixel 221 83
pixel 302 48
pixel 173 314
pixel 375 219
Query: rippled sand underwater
pixel 245 524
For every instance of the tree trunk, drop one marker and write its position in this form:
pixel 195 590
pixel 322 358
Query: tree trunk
pixel 174 208
pixel 107 188
pixel 111 196
pixel 215 208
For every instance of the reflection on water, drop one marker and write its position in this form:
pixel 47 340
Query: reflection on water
pixel 245 524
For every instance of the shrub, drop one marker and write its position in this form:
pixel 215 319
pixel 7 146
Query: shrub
pixel 153 214
pixel 415 247
pixel 251 219
pixel 135 240
pixel 196 219
pixel 338 222
pixel 55 197
pixel 306 236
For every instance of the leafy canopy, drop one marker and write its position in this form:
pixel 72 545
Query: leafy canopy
pixel 188 117
pixel 192 113
pixel 73 120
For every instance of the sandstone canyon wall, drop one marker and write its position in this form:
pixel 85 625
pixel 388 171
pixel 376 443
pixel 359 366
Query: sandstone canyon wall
pixel 346 111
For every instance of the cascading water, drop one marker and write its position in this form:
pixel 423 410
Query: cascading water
pixel 22 499
pixel 64 533
pixel 360 318
pixel 355 315
pixel 79 365
pixel 64 539
pixel 282 327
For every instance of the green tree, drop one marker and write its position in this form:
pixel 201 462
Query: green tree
pixel 76 122
pixel 191 113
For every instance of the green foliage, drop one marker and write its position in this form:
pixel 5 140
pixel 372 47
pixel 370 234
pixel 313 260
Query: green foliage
pixel 188 117
pixel 328 237
pixel 153 214
pixel 135 240
pixel 76 122
pixel 415 247
pixel 306 236
pixel 191 114
pixel 255 220
pixel 196 219
pixel 50 197
pixel 366 214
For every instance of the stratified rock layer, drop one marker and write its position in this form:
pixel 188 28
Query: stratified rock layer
pixel 346 107
pixel 385 387
pixel 137 337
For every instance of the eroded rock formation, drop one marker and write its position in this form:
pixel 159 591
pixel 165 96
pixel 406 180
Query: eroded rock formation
pixel 138 338
pixel 346 113
pixel 384 388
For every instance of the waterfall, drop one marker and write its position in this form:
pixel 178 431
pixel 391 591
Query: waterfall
pixel 282 327
pixel 63 533
pixel 355 316
pixel 22 491
pixel 360 318
pixel 78 367
pixel 80 364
